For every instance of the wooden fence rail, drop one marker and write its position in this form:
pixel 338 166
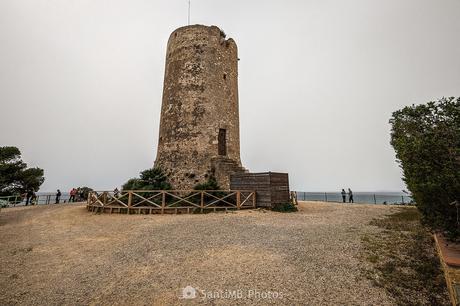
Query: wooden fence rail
pixel 170 201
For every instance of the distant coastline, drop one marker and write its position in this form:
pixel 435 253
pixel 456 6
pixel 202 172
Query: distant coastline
pixel 364 197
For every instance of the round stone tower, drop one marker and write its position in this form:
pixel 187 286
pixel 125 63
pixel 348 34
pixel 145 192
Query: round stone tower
pixel 199 126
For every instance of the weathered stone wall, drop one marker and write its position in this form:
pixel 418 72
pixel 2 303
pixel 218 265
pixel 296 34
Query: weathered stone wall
pixel 200 96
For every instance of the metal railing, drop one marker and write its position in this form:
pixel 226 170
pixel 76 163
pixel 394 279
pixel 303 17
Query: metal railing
pixel 358 197
pixel 41 199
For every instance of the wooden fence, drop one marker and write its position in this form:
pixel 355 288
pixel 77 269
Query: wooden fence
pixel 169 201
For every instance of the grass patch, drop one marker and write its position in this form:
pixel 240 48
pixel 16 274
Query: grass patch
pixel 403 260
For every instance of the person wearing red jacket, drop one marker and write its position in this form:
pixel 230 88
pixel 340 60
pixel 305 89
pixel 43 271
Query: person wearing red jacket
pixel 73 192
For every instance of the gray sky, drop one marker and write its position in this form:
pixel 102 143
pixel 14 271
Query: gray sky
pixel 81 83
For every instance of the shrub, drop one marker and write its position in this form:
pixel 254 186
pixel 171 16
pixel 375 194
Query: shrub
pixel 4 204
pixel 285 207
pixel 150 179
pixel 426 139
pixel 83 192
pixel 210 184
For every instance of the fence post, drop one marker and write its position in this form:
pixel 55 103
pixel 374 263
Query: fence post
pixel 238 200
pixel 304 195
pixel 254 202
pixel 163 201
pixel 130 200
pixel 375 200
pixel 325 196
pixel 402 198
pixel 202 202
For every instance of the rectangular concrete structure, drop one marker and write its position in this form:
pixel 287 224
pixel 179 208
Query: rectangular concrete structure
pixel 271 187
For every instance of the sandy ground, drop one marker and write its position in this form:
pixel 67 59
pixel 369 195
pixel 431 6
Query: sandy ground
pixel 62 254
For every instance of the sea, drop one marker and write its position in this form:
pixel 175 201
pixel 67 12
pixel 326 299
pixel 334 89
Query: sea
pixel 358 197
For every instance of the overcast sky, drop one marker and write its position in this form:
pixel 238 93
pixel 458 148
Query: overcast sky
pixel 81 83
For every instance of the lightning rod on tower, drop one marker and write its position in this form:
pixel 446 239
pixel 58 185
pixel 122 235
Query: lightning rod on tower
pixel 188 12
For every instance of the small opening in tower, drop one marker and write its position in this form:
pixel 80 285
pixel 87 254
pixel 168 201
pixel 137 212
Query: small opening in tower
pixel 175 34
pixel 222 142
pixel 225 76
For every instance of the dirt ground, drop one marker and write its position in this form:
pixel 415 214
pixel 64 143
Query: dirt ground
pixel 63 254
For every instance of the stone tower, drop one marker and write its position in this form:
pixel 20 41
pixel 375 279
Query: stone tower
pixel 199 126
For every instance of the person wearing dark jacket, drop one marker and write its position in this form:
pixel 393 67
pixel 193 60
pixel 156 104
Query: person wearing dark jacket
pixel 58 196
pixel 350 196
pixel 344 196
pixel 29 196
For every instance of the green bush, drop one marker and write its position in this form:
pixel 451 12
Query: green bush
pixel 3 204
pixel 150 179
pixel 426 139
pixel 83 192
pixel 285 207
pixel 210 184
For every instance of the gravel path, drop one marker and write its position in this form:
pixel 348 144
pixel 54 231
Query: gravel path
pixel 65 255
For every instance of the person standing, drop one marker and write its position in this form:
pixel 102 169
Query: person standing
pixel 350 196
pixel 33 199
pixel 58 196
pixel 344 196
pixel 81 194
pixel 77 194
pixel 72 195
pixel 29 196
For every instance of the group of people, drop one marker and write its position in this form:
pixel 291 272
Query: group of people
pixel 350 196
pixel 76 194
